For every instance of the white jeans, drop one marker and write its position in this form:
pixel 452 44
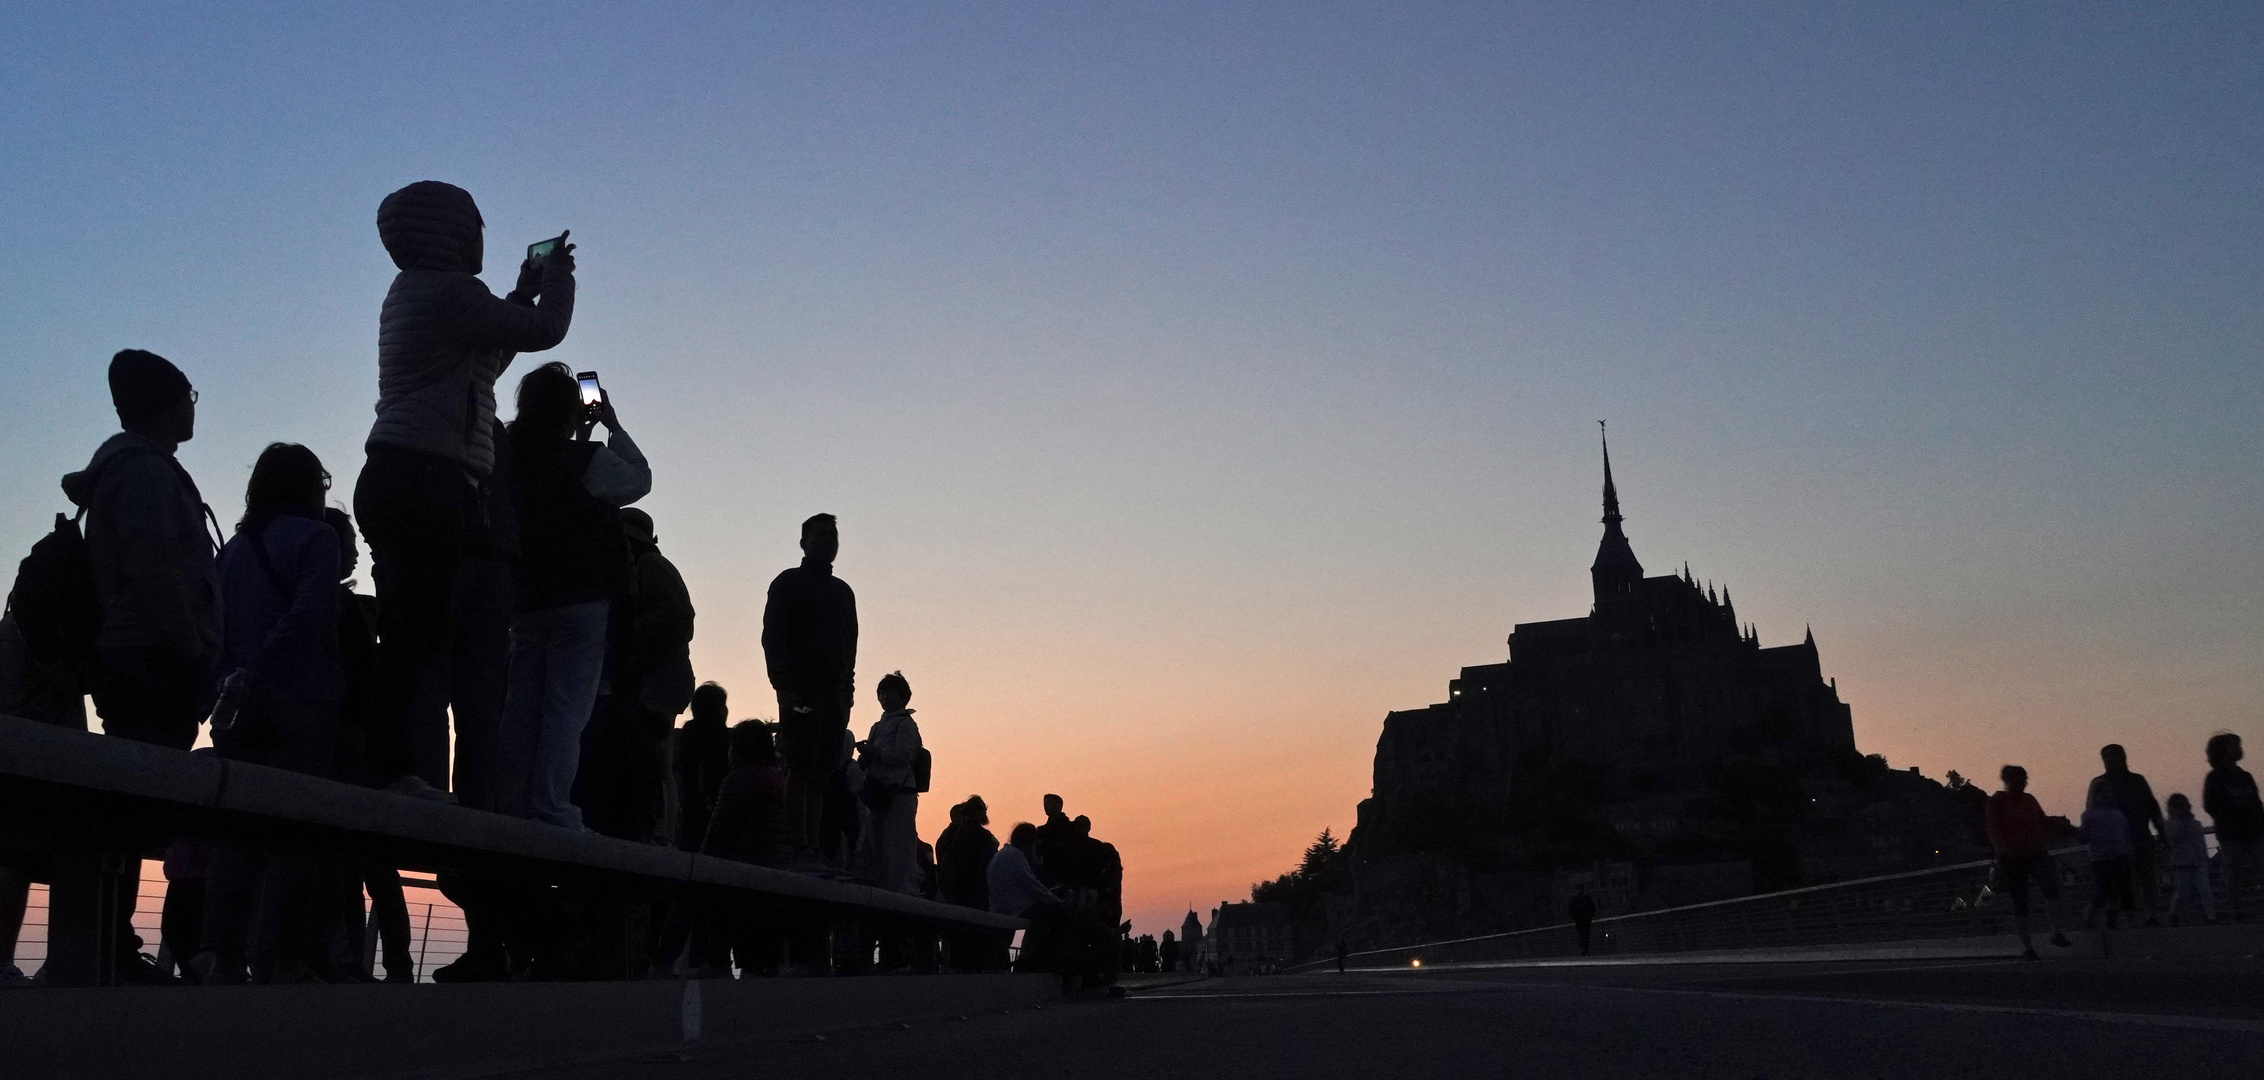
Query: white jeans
pixel 557 655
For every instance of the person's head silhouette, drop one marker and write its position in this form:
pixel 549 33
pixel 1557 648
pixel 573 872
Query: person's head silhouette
pixel 2223 750
pixel 1024 836
pixel 2114 758
pixel 894 691
pixel 154 400
pixel 978 811
pixel 1053 806
pixel 2015 778
pixel 821 538
pixel 287 476
pixel 710 702
pixel 550 402
pixel 1084 825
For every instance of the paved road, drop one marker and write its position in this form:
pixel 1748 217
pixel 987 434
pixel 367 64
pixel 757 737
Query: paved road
pixel 2125 1020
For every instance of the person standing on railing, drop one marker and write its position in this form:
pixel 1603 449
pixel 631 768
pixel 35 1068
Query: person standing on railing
pixel 574 559
pixel 810 650
pixel 2135 798
pixel 2229 794
pixel 2021 836
pixel 2189 861
pixel 2107 833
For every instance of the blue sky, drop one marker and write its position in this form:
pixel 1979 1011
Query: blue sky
pixel 1197 382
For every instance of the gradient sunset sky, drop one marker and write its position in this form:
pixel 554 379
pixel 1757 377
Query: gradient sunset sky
pixel 1197 382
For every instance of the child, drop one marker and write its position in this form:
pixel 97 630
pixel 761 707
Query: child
pixel 2189 860
pixel 2107 832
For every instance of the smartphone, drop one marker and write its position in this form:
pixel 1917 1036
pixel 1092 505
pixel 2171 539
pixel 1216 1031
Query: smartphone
pixel 542 248
pixel 592 396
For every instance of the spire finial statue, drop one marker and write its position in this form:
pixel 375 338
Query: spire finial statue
pixel 1611 491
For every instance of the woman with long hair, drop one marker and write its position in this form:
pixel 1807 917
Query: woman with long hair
pixel 282 687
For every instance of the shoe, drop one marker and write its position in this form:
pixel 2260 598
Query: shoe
pixel 2030 955
pixel 471 968
pixel 399 975
pixel 11 976
pixel 2061 940
pixel 140 969
pixel 414 786
pixel 207 969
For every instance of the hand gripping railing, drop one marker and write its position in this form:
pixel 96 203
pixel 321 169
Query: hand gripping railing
pixel 78 811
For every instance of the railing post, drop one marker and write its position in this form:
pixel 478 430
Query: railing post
pixel 88 900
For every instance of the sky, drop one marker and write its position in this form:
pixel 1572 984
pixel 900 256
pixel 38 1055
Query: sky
pixel 1195 383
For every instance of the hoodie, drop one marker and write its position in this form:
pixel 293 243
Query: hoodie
pixel 152 558
pixel 442 338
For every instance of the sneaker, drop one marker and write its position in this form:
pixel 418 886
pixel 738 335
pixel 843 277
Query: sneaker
pixel 140 969
pixel 11 975
pixel 399 975
pixel 471 968
pixel 207 969
pixel 2061 940
pixel 414 787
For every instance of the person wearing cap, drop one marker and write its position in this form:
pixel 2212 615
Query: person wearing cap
pixel 151 545
pixel 428 492
pixel 150 542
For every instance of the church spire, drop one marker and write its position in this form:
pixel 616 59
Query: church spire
pixel 1616 569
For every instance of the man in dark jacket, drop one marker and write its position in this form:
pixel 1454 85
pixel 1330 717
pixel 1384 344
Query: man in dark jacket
pixel 810 646
pixel 153 560
pixel 443 339
pixel 157 582
pixel 650 662
pixel 2135 797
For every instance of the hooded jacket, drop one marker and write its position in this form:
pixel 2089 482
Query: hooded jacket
pixel 442 338
pixel 153 564
pixel 281 581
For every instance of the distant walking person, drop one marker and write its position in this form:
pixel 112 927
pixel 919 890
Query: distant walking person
pixel 2229 795
pixel 2021 836
pixel 2189 862
pixel 2106 832
pixel 892 754
pixel 2135 798
pixel 571 491
pixel 425 498
pixel 810 647
pixel 1342 953
pixel 1582 908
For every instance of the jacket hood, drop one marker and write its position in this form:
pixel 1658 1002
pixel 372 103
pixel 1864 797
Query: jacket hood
pixel 79 486
pixel 431 225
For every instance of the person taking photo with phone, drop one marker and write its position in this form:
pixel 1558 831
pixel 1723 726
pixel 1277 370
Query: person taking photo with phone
pixel 427 490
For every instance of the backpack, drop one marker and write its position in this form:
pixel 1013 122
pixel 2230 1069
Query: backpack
pixel 54 599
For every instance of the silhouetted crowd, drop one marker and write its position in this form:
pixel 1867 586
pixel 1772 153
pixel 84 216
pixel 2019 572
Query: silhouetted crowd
pixel 2136 850
pixel 526 652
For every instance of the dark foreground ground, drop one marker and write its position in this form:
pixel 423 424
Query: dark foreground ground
pixel 2070 1019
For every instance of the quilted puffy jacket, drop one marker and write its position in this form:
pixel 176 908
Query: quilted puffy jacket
pixel 443 338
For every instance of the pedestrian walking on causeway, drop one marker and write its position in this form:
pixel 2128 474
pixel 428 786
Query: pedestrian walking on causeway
pixel 1583 912
pixel 2021 835
pixel 2106 832
pixel 426 498
pixel 2229 795
pixel 2189 862
pixel 2135 798
pixel 810 648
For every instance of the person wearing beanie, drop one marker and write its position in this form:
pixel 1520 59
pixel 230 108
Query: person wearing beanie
pixel 156 577
pixel 429 489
